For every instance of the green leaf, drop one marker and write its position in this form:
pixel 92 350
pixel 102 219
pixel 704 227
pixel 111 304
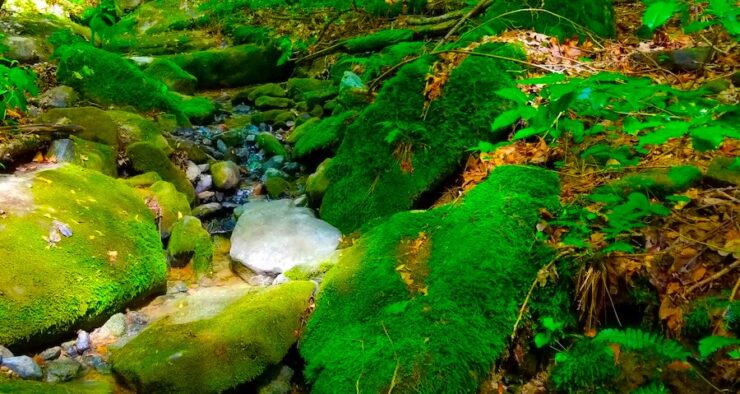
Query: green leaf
pixel 657 14
pixel 544 80
pixel 710 345
pixel 527 132
pixel 551 325
pixel 513 94
pixel 506 119
pixel 542 339
pixel 619 246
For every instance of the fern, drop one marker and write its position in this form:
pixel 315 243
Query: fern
pixel 653 388
pixel 641 341
pixel 711 345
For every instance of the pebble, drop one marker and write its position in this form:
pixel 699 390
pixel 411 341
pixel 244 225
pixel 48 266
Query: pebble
pixel 83 341
pixel 62 370
pixel 51 353
pixel 192 171
pixel 206 195
pixel 204 167
pixel 24 366
pixel 204 183
pixel 70 348
pixel 177 287
pixel 205 210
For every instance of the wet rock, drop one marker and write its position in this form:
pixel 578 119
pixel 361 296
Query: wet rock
pixel 51 353
pixel 4 352
pixel 24 366
pixel 207 210
pixel 276 236
pixel 62 370
pixel 83 341
pixel 191 242
pixel 192 171
pixel 177 287
pixel 59 97
pixel 61 151
pixel 204 183
pixel 225 174
pixel 206 195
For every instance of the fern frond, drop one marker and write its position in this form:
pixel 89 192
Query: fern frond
pixel 710 345
pixel 638 340
pixel 653 388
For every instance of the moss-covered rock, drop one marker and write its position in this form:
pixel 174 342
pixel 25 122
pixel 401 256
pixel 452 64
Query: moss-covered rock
pixel 268 102
pixel 172 75
pixel 320 97
pixel 268 89
pixel 270 144
pixel 170 203
pixel 659 182
pixel 225 174
pixel 109 79
pixel 269 116
pixel 297 87
pixel 213 355
pixel 97 124
pixel 390 156
pixel 77 249
pixel 157 16
pixel 725 170
pixel 325 135
pixel 136 128
pixel 427 300
pixel 317 183
pixel 198 110
pixel 378 40
pixel 94 156
pixel 302 129
pixel 147 157
pixel 190 240
pixel 143 180
pixel 235 66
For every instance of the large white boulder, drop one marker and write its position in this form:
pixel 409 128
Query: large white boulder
pixel 274 236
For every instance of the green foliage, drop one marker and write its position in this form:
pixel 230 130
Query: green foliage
pixel 378 40
pixel 325 134
pixel 719 12
pixel 652 388
pixel 553 329
pixel 371 178
pixel 647 344
pixel 375 7
pixel 418 303
pixel 710 345
pixel 100 19
pixel 588 366
pixel 15 83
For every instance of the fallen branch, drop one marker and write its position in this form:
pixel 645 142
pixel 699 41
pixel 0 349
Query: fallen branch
pixel 714 277
pixel 429 20
pixel 479 8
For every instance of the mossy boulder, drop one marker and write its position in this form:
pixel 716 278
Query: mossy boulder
pixel 158 16
pixel 170 203
pixel 267 102
pixel 95 156
pixel 268 89
pixel 235 66
pixel 198 110
pixel 225 174
pixel 390 155
pixel 215 354
pixel 302 129
pixel 324 136
pixel 270 116
pixel 659 182
pixel 146 157
pixel 270 144
pixel 75 247
pixel 427 300
pixel 725 170
pixel 317 183
pixel 19 386
pixel 133 128
pixel 109 79
pixel 172 75
pixel 97 124
pixel 143 180
pixel 297 87
pixel 190 241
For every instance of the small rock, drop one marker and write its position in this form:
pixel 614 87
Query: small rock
pixel 62 370
pixel 192 171
pixel 204 183
pixel 24 366
pixel 51 353
pixel 116 325
pixel 83 341
pixel 70 348
pixel 225 174
pixel 59 97
pixel 177 287
pixel 204 167
pixel 96 362
pixel 205 210
pixel 5 352
pixel 206 195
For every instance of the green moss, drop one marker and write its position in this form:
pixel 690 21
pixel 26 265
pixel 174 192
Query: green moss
pixel 302 129
pixel 147 157
pixel 660 182
pixel 325 135
pixel 268 89
pixel 427 300
pixel 94 156
pixel 97 124
pixel 172 204
pixel 198 110
pixel 172 75
pixel 571 17
pixel 270 144
pixel 109 79
pixel 725 170
pixel 18 386
pixel 378 40
pixel 113 256
pixel 311 272
pixel 297 87
pixel 319 97
pixel 225 174
pixel 317 183
pixel 233 347
pixel 135 128
pixel 163 43
pixel 273 102
pixel 372 178
pixel 191 239
pixel 143 180
pixel 235 66
pixel 269 116
pixel 250 35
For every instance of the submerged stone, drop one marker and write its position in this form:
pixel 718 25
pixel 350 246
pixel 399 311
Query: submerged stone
pixel 275 236
pixel 74 247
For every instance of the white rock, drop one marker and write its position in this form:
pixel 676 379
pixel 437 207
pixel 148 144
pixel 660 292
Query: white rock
pixel 274 236
pixel 193 171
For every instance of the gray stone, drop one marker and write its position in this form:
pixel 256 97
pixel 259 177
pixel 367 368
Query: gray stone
pixel 116 325
pixel 51 353
pixel 83 341
pixel 24 366
pixel 26 49
pixel 62 370
pixel 192 171
pixel 205 210
pixel 225 174
pixel 59 97
pixel 96 362
pixel 281 383
pixel 5 352
pixel 274 236
pixel 206 195
pixel 61 151
pixel 204 183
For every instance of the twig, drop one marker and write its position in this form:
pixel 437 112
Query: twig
pixel 714 277
pixel 480 7
pixel 395 355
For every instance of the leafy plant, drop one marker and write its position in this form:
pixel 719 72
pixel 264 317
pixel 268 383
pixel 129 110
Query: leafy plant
pixel 653 388
pixel 719 12
pixel 100 19
pixel 15 83
pixel 644 342
pixel 710 345
pixel 553 329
